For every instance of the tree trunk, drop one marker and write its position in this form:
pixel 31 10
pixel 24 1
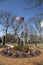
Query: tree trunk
pixel 6 35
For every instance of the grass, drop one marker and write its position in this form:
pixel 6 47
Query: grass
pixel 39 45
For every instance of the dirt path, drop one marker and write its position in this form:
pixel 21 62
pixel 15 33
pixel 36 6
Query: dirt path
pixel 22 61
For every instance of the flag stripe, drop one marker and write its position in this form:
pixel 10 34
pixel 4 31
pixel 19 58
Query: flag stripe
pixel 19 18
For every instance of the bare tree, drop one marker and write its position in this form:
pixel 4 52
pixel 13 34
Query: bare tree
pixel 6 19
pixel 16 26
pixel 32 4
pixel 27 31
pixel 37 19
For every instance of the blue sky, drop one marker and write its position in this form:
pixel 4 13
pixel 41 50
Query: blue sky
pixel 17 7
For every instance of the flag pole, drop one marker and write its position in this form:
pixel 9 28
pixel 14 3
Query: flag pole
pixel 23 33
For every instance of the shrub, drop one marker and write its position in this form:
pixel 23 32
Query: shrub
pixel 25 48
pixel 15 47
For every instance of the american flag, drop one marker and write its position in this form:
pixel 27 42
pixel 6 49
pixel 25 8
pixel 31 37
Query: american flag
pixel 19 18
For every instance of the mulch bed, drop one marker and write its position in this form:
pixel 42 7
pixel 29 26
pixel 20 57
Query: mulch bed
pixel 17 53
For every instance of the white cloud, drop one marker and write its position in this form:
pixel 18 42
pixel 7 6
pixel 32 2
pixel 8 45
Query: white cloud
pixel 42 23
pixel 1 34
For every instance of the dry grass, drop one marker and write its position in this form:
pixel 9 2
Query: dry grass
pixel 22 61
pixel 32 44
